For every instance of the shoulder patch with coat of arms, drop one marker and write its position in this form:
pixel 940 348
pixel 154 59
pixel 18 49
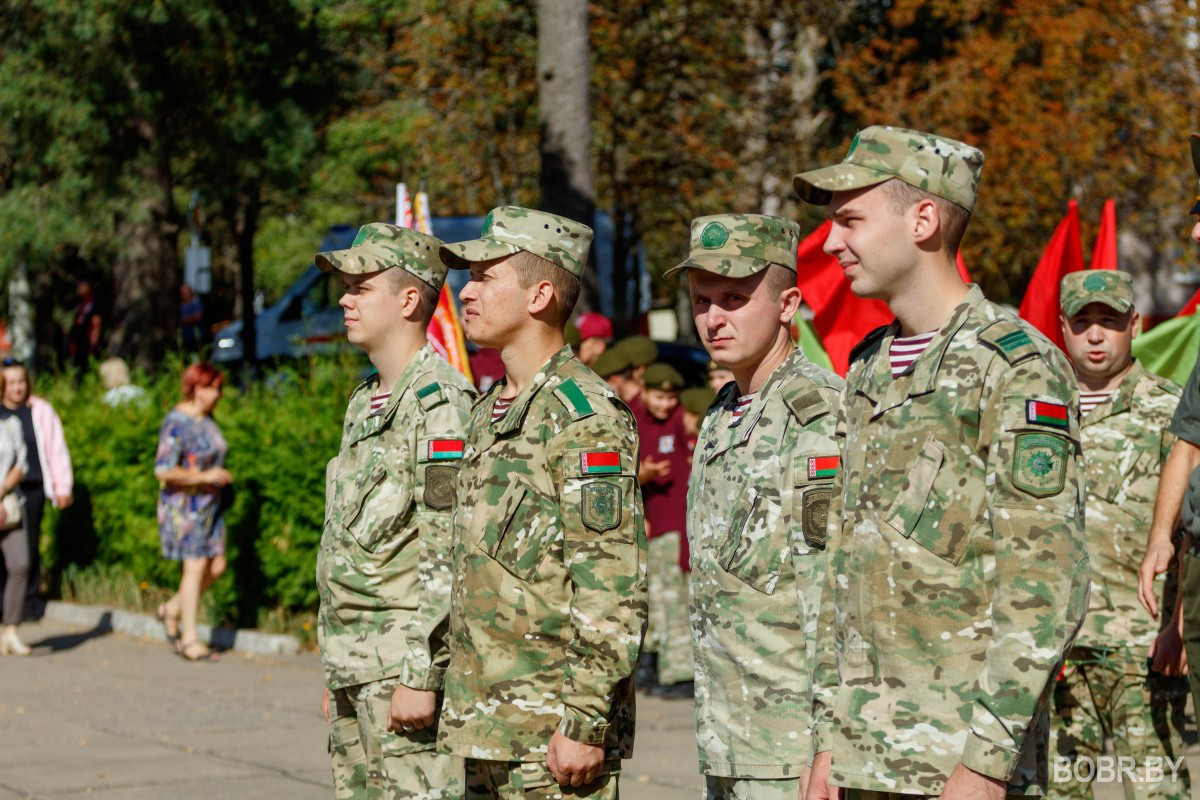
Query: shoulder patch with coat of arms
pixel 600 506
pixel 1040 464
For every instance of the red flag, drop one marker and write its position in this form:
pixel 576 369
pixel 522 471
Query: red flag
pixel 1064 254
pixel 962 267
pixel 1189 307
pixel 840 318
pixel 1105 254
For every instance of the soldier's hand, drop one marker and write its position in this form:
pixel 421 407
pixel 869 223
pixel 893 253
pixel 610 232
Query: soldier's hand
pixel 967 784
pixel 411 709
pixel 325 703
pixel 573 763
pixel 1159 554
pixel 1168 653
pixel 818 779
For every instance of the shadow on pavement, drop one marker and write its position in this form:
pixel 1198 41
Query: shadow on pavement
pixel 70 641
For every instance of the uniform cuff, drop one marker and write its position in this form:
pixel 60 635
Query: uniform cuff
pixel 989 759
pixel 583 729
pixel 427 679
pixel 822 738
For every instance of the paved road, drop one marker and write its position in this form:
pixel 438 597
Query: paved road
pixel 109 716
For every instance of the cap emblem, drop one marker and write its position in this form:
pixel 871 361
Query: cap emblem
pixel 713 236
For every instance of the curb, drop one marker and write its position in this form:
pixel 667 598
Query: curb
pixel 148 626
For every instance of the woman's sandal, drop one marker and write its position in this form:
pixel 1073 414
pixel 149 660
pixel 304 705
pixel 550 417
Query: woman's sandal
pixel 168 622
pixel 195 651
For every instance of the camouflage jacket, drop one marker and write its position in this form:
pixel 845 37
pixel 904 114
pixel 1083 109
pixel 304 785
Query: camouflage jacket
pixel 958 571
pixel 549 603
pixel 757 506
pixel 1125 443
pixel 383 569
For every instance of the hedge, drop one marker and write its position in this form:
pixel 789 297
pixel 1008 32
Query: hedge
pixel 281 432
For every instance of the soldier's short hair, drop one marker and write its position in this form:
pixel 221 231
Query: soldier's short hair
pixel 953 217
pixel 532 269
pixel 401 279
pixel 779 279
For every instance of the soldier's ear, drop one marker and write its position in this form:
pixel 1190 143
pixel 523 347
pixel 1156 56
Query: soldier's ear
pixel 410 303
pixel 541 298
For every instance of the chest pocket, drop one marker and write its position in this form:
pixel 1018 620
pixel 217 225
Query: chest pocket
pixel 1132 475
pixel 380 503
pixel 757 546
pixel 933 509
pixel 523 533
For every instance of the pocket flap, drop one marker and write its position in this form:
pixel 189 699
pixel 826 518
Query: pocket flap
pixel 910 503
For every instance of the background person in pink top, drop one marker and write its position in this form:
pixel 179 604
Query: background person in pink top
pixel 49 476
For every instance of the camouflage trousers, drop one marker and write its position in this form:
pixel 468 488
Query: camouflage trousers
pixel 719 788
pixel 1108 693
pixel 531 780
pixel 371 762
pixel 669 630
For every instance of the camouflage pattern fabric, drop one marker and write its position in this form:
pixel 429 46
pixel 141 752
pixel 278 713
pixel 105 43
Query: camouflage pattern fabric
pixel 940 166
pixel 511 229
pixel 1107 692
pixel 1125 444
pixel 1078 289
pixel 531 780
pixel 549 603
pixel 380 246
pixel 372 763
pixel 757 504
pixel 958 571
pixel 383 567
pixel 717 787
pixel 669 632
pixel 739 245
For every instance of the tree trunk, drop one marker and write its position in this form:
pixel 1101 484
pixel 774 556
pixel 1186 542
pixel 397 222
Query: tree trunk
pixel 20 314
pixel 564 77
pixel 244 223
pixel 146 275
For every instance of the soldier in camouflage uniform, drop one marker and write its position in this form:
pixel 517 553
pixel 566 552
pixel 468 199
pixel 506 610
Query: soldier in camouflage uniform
pixel 383 569
pixel 1106 687
pixel 762 473
pixel 958 571
pixel 549 603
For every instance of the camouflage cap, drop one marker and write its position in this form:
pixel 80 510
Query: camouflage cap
pixel 611 362
pixel 510 229
pixel 1196 166
pixel 663 377
pixel 740 245
pixel 1078 289
pixel 941 166
pixel 640 350
pixel 697 399
pixel 380 246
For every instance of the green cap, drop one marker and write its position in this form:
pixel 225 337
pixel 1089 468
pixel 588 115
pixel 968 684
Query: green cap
pixel 640 350
pixel 611 362
pixel 380 246
pixel 740 245
pixel 1113 289
pixel 697 400
pixel 510 229
pixel 663 377
pixel 1196 166
pixel 572 336
pixel 936 164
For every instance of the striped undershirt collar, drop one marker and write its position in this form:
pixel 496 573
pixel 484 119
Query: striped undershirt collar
pixel 378 401
pixel 904 351
pixel 739 408
pixel 500 407
pixel 1089 400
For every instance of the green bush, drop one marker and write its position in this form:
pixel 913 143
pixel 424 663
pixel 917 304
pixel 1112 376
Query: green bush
pixel 281 430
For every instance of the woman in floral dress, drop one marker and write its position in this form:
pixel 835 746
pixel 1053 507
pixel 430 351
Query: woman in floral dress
pixel 190 467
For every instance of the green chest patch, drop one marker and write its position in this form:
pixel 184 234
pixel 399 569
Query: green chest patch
pixel 1039 464
pixel 600 506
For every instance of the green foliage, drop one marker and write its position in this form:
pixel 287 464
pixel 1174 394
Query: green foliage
pixel 281 432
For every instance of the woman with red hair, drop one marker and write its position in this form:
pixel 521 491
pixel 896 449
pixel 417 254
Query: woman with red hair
pixel 190 467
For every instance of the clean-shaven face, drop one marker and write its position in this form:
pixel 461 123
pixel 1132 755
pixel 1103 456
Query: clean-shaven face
pixel 370 308
pixel 872 243
pixel 1099 340
pixel 737 319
